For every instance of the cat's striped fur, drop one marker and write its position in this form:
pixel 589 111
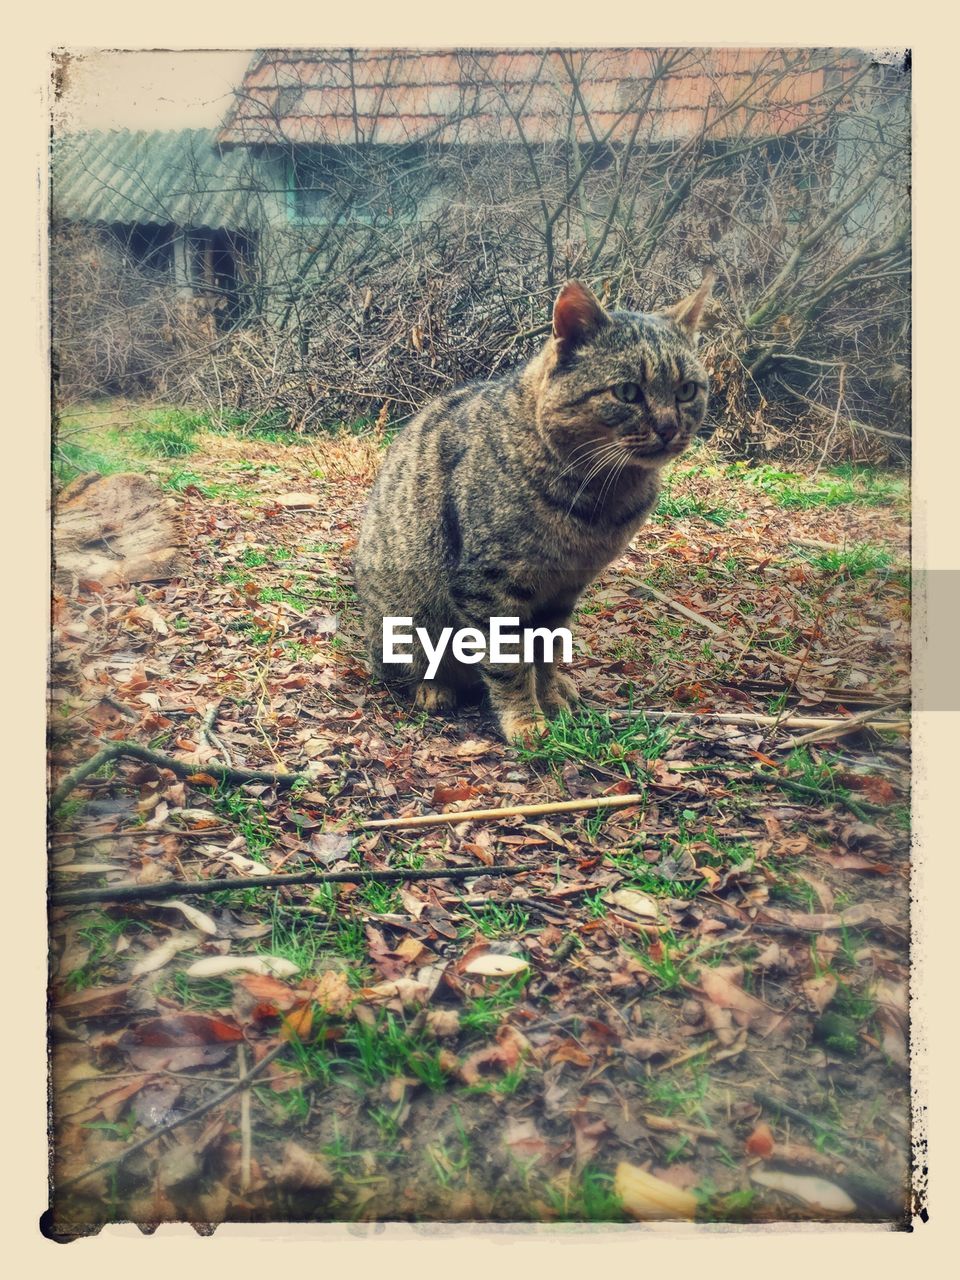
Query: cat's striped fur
pixel 508 497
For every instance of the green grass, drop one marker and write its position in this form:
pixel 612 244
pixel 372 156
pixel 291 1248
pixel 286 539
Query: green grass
pixel 248 816
pixel 308 940
pixel 390 1048
pixel 495 921
pixel 680 506
pixel 591 736
pixel 841 486
pixel 682 1094
pixel 381 899
pixel 591 1199
pixel 447 1164
pixel 100 933
pixel 71 460
pixel 167 433
pixel 202 993
pixel 484 1014
pixel 669 967
pixel 855 561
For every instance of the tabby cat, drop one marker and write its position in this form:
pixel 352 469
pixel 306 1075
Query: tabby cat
pixel 507 498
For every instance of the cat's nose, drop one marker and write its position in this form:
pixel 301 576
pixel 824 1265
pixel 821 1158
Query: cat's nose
pixel 666 429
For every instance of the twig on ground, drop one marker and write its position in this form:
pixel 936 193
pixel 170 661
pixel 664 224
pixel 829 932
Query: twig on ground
pixel 863 720
pixel 817 723
pixel 82 772
pixel 682 609
pixel 508 811
pixel 246 1135
pixel 207 723
pixel 174 888
pixel 241 1083
pixel 183 766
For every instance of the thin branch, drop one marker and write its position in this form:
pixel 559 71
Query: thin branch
pixel 176 888
pixel 508 811
pixel 183 766
pixel 243 1082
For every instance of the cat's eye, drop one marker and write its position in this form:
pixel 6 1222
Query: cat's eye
pixel 628 392
pixel 687 391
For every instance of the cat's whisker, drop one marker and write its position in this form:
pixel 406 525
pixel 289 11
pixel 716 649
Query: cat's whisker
pixel 611 480
pixel 607 453
pixel 588 451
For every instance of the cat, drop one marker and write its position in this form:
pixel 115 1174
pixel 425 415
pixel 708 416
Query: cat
pixel 508 497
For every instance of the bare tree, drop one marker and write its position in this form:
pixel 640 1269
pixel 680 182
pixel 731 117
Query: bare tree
pixel 399 267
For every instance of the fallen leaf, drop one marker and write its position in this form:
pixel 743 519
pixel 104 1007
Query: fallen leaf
pixel 816 1193
pixel 327 847
pixel 820 991
pixel 333 993
pixel 154 1103
pixel 163 954
pixel 637 904
pixel 506 1054
pixel 647 1047
pixel 94 1002
pixel 646 1197
pixel 301 1170
pixel 180 1042
pixel 571 1052
pixel 451 795
pixel 493 965
pixel 721 986
pixel 443 1023
pixel 297 501
pixel 525 1139
pixel 199 919
pixel 217 966
pixel 877 790
pixel 298 1023
pixel 760 1142
pixel 147 616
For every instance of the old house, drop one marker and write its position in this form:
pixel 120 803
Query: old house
pixel 177 205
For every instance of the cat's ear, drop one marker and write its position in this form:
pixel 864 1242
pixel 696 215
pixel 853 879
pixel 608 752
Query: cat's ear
pixel 577 316
pixel 688 312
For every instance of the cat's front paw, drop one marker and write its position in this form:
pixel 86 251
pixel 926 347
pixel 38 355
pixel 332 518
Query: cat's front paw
pixel 528 727
pixel 525 728
pixel 559 695
pixel 434 698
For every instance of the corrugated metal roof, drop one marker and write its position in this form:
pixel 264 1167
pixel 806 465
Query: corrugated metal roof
pixel 178 176
pixel 346 96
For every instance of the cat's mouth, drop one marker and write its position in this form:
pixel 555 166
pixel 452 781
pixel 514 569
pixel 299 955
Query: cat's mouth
pixel 650 450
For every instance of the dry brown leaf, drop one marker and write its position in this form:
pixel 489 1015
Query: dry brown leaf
pixel 638 904
pixel 646 1197
pixel 302 1171
pixel 820 991
pixel 332 992
pixel 163 954
pixel 493 965
pixel 443 1023
pixel 816 1193
pixel 721 985
pixel 298 1023
pixel 217 966
pixel 760 1142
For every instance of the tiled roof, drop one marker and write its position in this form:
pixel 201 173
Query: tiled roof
pixel 170 176
pixel 346 96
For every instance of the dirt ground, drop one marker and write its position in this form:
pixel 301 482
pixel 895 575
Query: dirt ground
pixel 707 984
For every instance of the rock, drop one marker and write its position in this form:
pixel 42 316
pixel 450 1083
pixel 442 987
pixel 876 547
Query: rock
pixel 118 528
